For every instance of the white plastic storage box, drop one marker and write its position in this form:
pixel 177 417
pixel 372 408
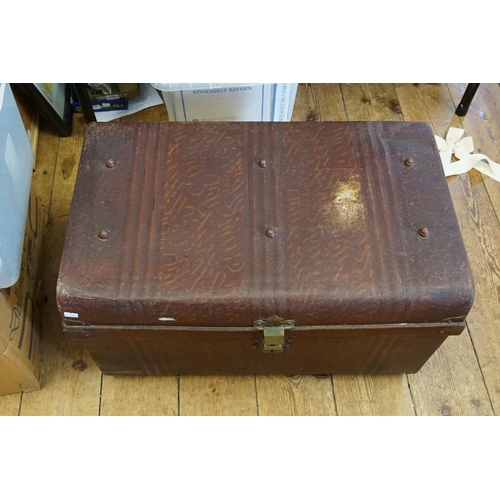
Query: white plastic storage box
pixel 16 165
pixel 186 102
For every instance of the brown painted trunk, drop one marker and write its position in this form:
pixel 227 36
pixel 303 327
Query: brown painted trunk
pixel 262 248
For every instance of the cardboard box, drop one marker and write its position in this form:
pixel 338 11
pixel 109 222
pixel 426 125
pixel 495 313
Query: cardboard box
pixel 228 101
pixel 19 313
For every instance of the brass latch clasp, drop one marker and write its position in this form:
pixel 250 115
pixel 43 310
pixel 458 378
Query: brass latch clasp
pixel 274 333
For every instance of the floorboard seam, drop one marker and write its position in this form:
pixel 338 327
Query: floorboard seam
pixel 20 404
pixel 333 396
pixel 412 399
pixel 343 102
pixel 178 379
pixel 100 395
pixel 256 395
pixel 49 201
pixel 480 369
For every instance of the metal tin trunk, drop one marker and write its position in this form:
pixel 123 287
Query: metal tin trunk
pixel 312 247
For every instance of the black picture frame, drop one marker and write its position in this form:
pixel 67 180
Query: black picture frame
pixel 59 114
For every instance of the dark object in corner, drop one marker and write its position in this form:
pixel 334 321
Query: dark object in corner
pixel 85 103
pixel 56 109
pixel 469 94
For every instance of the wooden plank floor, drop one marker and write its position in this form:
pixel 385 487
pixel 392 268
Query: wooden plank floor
pixel 462 378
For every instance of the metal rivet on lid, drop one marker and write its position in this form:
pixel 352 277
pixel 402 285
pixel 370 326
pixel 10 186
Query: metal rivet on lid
pixel 270 232
pixel 103 234
pixel 263 163
pixel 409 162
pixel 110 163
pixel 423 232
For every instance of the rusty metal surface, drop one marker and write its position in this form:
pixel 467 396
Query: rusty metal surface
pixel 221 224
